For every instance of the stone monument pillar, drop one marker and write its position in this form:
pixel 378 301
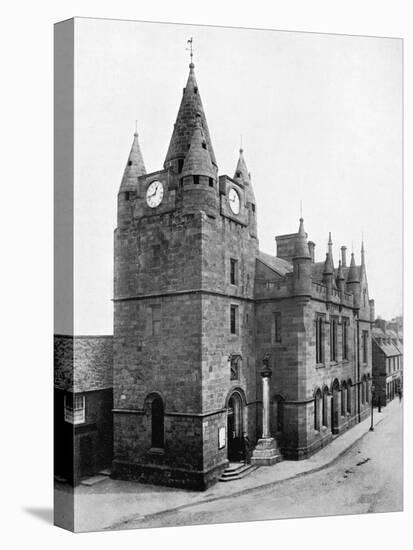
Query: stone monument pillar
pixel 266 452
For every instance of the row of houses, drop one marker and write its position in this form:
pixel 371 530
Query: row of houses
pixel 387 350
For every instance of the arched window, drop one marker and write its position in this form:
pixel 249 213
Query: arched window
pixel 349 396
pixel 325 407
pixel 319 337
pixel 363 390
pixel 343 398
pixel 317 410
pixel 157 414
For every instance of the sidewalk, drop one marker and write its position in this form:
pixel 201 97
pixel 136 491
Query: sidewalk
pixel 111 503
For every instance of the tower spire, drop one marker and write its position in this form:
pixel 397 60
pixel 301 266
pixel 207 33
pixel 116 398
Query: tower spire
pixel 191 106
pixel 363 259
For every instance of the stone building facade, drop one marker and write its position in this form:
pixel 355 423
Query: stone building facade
pixel 387 362
pixel 198 308
pixel 83 396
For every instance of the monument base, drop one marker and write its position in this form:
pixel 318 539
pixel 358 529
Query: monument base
pixel 266 453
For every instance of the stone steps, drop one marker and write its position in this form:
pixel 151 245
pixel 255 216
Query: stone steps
pixel 237 471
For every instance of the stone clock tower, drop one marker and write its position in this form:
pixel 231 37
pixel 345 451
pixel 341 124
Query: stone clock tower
pixel 185 252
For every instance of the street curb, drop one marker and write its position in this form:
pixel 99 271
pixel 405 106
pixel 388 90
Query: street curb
pixel 243 491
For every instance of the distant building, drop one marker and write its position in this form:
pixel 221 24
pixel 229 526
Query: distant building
pixel 387 362
pixel 83 396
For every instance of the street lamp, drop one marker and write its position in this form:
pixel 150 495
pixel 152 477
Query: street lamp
pixel 372 395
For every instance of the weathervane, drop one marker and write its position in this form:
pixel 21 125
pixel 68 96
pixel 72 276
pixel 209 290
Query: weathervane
pixel 190 47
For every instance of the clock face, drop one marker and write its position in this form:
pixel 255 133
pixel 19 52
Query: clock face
pixel 234 200
pixel 154 194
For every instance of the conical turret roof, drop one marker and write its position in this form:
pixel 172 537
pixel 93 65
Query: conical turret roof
pixel 340 274
pixel 191 105
pixel 301 249
pixel 353 275
pixel 198 160
pixel 328 267
pixel 243 176
pixel 135 167
pixel 241 171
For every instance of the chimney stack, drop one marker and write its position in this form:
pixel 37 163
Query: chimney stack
pixel 311 247
pixel 343 256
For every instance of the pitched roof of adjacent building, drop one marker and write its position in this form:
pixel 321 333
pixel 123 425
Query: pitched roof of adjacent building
pixel 83 363
pixel 279 265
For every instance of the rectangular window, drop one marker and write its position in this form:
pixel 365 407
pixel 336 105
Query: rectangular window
pixel 319 333
pixel 74 405
pixel 345 325
pixel 365 336
pixel 155 320
pixel 233 276
pixel 211 182
pixel 180 165
pixel 234 319
pixel 333 339
pixel 196 179
pixel 276 328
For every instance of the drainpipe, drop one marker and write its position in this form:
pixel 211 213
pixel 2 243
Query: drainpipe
pixel 358 368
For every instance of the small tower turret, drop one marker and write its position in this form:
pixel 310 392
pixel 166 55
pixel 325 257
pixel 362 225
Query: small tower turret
pixel 243 176
pixel 340 281
pixel 353 281
pixel 302 264
pixel 134 168
pixel 328 271
pixel 198 180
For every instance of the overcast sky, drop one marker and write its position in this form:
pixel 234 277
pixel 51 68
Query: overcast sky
pixel 320 118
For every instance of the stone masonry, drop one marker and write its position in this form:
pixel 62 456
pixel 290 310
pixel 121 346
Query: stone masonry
pixel 197 308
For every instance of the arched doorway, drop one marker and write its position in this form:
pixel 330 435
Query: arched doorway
pixel 236 447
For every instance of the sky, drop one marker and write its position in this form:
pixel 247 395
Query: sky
pixel 321 123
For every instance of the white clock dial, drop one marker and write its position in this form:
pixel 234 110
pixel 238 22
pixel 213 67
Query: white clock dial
pixel 234 200
pixel 154 194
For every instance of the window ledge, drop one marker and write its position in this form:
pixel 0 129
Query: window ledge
pixel 320 365
pixel 156 451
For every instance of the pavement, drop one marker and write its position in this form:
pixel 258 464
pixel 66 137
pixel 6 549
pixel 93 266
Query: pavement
pixel 115 504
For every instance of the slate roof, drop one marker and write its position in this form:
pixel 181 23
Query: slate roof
pixel 280 266
pixel 389 350
pixel 83 363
